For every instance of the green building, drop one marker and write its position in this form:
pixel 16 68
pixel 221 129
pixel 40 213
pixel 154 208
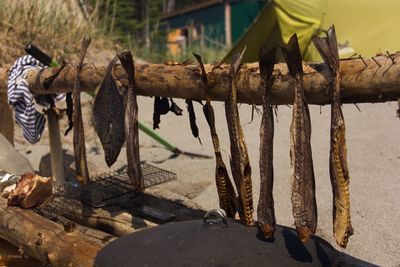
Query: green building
pixel 216 23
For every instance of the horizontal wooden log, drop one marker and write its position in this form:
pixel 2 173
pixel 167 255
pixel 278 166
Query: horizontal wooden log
pixel 113 219
pixel 45 240
pixel 369 80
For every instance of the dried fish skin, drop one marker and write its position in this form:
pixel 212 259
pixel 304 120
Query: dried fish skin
pixel 81 169
pixel 108 116
pixel 192 118
pixel 226 192
pixel 302 171
pixel 240 163
pixel 338 169
pixel 265 209
pixel 132 125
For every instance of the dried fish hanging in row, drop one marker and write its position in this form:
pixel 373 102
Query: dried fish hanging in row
pixel 162 107
pixel 339 173
pixel 192 119
pixel 265 209
pixel 240 164
pixel 226 192
pixel 108 116
pixel 302 172
pixel 82 173
pixel 131 124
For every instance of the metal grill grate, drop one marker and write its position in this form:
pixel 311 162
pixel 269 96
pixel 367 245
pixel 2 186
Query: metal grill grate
pixel 113 184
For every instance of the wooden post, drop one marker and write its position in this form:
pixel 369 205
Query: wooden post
pixel 56 154
pixel 228 27
pixel 6 119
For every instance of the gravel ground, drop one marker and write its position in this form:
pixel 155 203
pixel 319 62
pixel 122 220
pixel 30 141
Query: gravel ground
pixel 373 156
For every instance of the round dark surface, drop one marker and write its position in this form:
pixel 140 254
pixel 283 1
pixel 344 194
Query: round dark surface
pixel 191 243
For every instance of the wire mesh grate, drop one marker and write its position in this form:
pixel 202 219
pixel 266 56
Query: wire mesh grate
pixel 105 187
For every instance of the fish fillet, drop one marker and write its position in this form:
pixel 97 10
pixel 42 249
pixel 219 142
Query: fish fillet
pixel 131 124
pixel 240 164
pixel 302 172
pixel 108 116
pixel 265 209
pixel 226 192
pixel 339 173
pixel 82 173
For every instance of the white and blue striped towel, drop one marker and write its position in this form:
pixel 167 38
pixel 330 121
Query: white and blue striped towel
pixel 22 100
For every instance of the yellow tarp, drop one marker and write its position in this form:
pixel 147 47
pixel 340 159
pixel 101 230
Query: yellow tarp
pixel 366 27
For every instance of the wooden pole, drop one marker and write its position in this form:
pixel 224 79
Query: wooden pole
pixel 45 240
pixel 56 153
pixel 228 27
pixel 112 219
pixel 360 82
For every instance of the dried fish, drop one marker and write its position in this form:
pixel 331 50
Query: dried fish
pixel 339 173
pixel 108 116
pixel 265 209
pixel 82 173
pixel 302 172
pixel 131 124
pixel 192 119
pixel 70 111
pixel 175 108
pixel 161 107
pixel 240 164
pixel 225 190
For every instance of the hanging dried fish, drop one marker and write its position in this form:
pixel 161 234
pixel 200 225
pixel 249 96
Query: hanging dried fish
pixel 265 209
pixel 192 119
pixel 108 116
pixel 70 111
pixel 240 164
pixel 175 108
pixel 302 172
pixel 339 173
pixel 225 190
pixel 161 107
pixel 131 124
pixel 82 173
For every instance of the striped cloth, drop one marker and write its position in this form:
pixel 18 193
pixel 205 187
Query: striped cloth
pixel 22 100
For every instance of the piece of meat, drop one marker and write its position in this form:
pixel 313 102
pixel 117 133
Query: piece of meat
pixel 108 116
pixel 265 209
pixel 302 171
pixel 31 191
pixel 339 172
pixel 240 163
pixel 131 124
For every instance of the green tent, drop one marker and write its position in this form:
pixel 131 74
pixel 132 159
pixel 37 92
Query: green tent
pixel 366 27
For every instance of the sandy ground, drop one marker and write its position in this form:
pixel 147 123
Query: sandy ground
pixel 373 156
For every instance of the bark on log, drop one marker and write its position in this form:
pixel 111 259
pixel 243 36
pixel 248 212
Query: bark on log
pixel 112 219
pixel 45 240
pixel 360 82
